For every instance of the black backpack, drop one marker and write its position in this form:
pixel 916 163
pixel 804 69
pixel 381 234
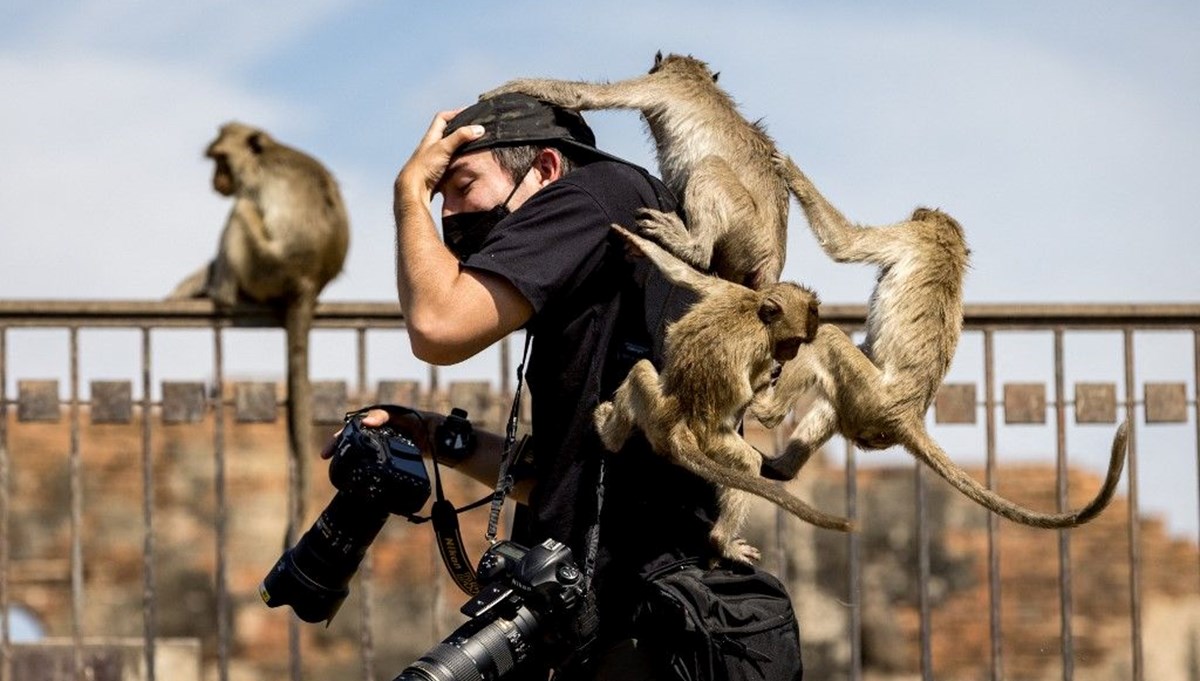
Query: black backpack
pixel 731 623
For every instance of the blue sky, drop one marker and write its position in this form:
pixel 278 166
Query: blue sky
pixel 1064 136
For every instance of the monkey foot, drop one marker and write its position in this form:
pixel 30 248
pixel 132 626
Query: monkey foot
pixel 668 231
pixel 741 551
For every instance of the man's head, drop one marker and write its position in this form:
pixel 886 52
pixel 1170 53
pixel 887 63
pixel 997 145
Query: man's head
pixel 526 145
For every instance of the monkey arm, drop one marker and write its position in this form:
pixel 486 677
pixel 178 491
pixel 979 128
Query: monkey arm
pixel 674 269
pixel 582 96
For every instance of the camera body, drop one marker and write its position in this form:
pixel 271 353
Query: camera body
pixel 377 472
pixel 532 604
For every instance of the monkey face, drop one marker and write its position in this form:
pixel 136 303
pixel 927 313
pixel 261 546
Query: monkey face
pixel 790 313
pixel 222 176
pixel 235 148
pixel 683 65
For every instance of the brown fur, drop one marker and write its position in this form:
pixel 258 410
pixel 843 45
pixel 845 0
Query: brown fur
pixel 721 353
pixel 708 154
pixel 285 239
pixel 877 394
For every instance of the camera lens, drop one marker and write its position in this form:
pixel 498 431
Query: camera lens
pixel 477 650
pixel 313 576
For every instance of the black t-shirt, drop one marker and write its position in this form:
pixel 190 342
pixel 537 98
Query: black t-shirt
pixel 592 309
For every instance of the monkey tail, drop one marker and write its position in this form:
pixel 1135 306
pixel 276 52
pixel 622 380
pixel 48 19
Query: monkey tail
pixel 687 454
pixel 298 323
pixel 921 445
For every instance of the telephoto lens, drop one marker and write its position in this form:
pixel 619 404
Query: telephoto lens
pixel 528 612
pixel 314 575
pixel 377 472
pixel 478 650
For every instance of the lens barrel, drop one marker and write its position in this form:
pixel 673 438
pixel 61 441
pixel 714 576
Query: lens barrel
pixel 477 650
pixel 314 576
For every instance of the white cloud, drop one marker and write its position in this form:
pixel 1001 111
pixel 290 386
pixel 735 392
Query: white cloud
pixel 104 179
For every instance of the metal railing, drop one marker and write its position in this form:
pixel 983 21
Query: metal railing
pixel 983 322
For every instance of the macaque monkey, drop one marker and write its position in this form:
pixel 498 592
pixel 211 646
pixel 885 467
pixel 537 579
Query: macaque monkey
pixel 285 239
pixel 717 356
pixel 715 160
pixel 876 394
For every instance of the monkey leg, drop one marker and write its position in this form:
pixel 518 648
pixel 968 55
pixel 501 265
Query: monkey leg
pixel 716 201
pixel 613 421
pixel 841 240
pixel 725 537
pixel 637 402
pixel 814 430
pixel 194 286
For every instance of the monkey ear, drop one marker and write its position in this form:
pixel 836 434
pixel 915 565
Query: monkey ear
pixel 769 311
pixel 255 142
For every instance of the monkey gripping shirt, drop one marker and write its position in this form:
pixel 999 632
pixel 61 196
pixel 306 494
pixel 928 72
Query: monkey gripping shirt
pixel 594 314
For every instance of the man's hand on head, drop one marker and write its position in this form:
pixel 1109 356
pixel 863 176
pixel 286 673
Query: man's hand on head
pixel 430 159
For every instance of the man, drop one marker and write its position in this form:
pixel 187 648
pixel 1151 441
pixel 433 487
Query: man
pixel 527 206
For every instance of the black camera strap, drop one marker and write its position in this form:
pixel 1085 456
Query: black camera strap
pixel 449 536
pixel 445 515
pixel 505 481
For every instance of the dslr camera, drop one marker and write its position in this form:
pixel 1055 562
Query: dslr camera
pixel 377 472
pixel 531 608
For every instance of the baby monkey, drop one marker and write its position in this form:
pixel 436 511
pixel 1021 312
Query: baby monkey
pixel 876 395
pixel 717 356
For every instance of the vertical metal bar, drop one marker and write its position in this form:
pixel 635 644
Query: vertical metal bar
pixel 923 575
pixel 149 619
pixel 367 570
pixel 5 634
pixel 854 560
pixel 221 510
pixel 1195 400
pixel 1135 533
pixel 431 398
pixel 995 633
pixel 1064 535
pixel 779 553
pixel 75 466
pixel 506 365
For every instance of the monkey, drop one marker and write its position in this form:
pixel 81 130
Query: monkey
pixel 286 237
pixel 876 394
pixel 718 162
pixel 717 356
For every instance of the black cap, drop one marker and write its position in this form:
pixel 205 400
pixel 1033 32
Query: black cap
pixel 513 119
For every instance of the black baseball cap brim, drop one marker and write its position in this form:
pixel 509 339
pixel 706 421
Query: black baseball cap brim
pixel 514 119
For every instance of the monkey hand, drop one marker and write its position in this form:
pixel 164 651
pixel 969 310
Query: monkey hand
pixel 510 86
pixel 525 86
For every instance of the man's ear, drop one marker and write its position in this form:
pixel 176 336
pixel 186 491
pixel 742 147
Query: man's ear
pixel 548 165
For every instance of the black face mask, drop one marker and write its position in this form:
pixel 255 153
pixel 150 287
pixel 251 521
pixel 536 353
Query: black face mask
pixel 464 233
